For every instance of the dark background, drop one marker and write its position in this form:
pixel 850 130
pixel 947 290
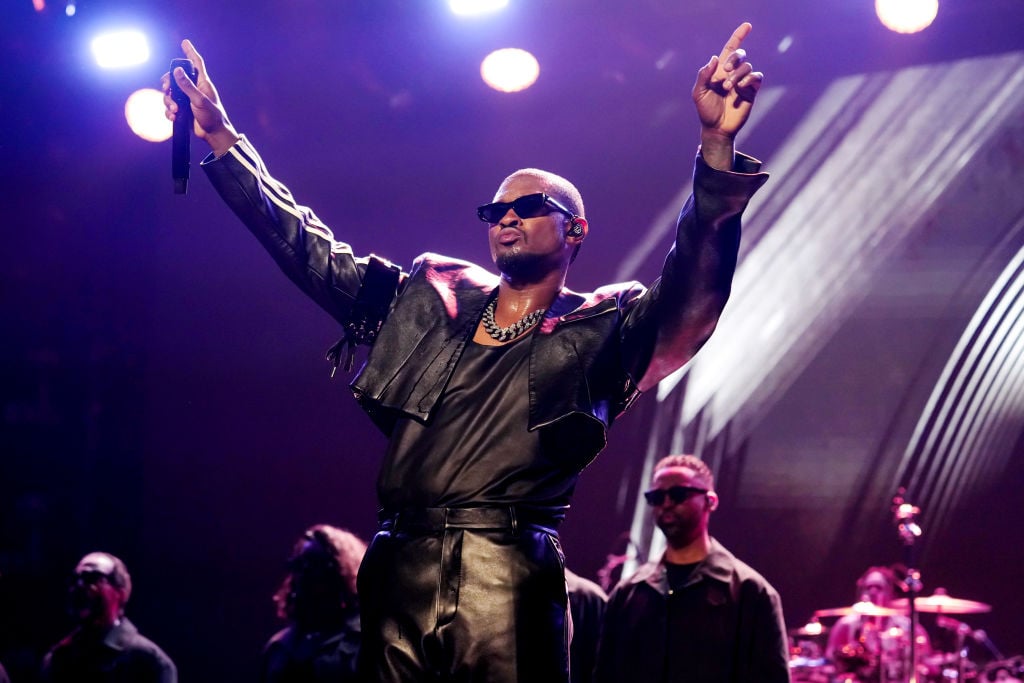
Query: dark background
pixel 163 390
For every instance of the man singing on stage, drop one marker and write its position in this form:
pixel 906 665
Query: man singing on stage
pixel 495 391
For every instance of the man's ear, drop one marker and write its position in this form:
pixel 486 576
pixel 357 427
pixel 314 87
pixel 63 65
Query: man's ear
pixel 576 230
pixel 712 501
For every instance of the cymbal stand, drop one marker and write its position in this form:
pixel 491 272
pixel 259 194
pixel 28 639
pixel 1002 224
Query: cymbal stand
pixel 905 517
pixel 961 651
pixel 963 631
pixel 960 631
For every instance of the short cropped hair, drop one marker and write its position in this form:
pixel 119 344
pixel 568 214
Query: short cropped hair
pixel 689 461
pixel 556 186
pixel 119 577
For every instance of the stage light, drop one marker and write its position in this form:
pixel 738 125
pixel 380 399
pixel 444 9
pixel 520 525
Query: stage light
pixel 472 8
pixel 510 69
pixel 906 16
pixel 120 49
pixel 144 111
pixel 39 5
pixel 812 628
pixel 70 9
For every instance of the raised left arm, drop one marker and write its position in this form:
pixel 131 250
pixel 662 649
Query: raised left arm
pixel 723 95
pixel 666 325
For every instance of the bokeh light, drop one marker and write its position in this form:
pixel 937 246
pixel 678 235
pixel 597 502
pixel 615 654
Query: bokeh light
pixel 471 8
pixel 144 110
pixel 510 69
pixel 120 49
pixel 906 16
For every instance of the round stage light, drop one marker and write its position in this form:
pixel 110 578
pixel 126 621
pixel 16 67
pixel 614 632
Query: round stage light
pixel 144 110
pixel 474 8
pixel 510 69
pixel 906 16
pixel 120 49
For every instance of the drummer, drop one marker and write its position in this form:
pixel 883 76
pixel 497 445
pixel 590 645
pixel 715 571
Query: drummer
pixel 875 647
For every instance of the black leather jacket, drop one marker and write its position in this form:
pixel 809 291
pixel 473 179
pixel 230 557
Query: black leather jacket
pixel 592 354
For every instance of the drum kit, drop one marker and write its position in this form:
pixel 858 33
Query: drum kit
pixel 883 643
pixel 882 656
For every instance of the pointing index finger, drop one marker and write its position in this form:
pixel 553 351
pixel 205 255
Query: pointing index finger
pixel 189 49
pixel 734 41
pixel 197 60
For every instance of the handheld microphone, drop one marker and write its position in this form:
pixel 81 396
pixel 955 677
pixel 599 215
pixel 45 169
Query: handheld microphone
pixel 180 139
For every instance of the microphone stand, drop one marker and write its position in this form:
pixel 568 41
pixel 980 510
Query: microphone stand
pixel 904 515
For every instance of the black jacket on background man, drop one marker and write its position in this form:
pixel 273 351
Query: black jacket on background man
pixel 121 655
pixel 727 627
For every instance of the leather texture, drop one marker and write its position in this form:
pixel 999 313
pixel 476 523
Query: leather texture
pixel 464 605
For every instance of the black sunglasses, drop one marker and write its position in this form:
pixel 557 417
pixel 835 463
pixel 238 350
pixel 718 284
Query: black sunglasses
pixel 527 206
pixel 89 577
pixel 677 494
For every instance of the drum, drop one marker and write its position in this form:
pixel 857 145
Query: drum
pixel 947 667
pixel 854 662
pixel 807 663
pixel 1004 671
pixel 810 670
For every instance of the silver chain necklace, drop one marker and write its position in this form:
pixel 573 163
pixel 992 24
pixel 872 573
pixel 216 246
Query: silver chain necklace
pixel 505 334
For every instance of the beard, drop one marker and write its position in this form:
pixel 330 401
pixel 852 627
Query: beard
pixel 520 265
pixel 679 530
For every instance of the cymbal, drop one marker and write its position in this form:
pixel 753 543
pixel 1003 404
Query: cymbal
pixel 941 602
pixel 864 609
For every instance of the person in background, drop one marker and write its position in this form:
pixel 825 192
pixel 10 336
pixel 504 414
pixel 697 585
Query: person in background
pixel 875 647
pixel 105 647
pixel 587 602
pixel 318 599
pixel 698 613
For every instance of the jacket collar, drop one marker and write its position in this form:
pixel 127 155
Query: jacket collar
pixel 118 636
pixel 466 288
pixel 565 303
pixel 717 565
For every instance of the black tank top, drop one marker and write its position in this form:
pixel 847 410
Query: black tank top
pixel 476 449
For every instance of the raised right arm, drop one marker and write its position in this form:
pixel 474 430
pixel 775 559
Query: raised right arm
pixel 298 241
pixel 303 247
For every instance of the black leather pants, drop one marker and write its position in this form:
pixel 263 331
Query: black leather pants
pixel 464 595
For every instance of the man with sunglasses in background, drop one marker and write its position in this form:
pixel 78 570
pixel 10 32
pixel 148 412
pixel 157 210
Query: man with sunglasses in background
pixel 105 647
pixel 698 613
pixel 495 391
